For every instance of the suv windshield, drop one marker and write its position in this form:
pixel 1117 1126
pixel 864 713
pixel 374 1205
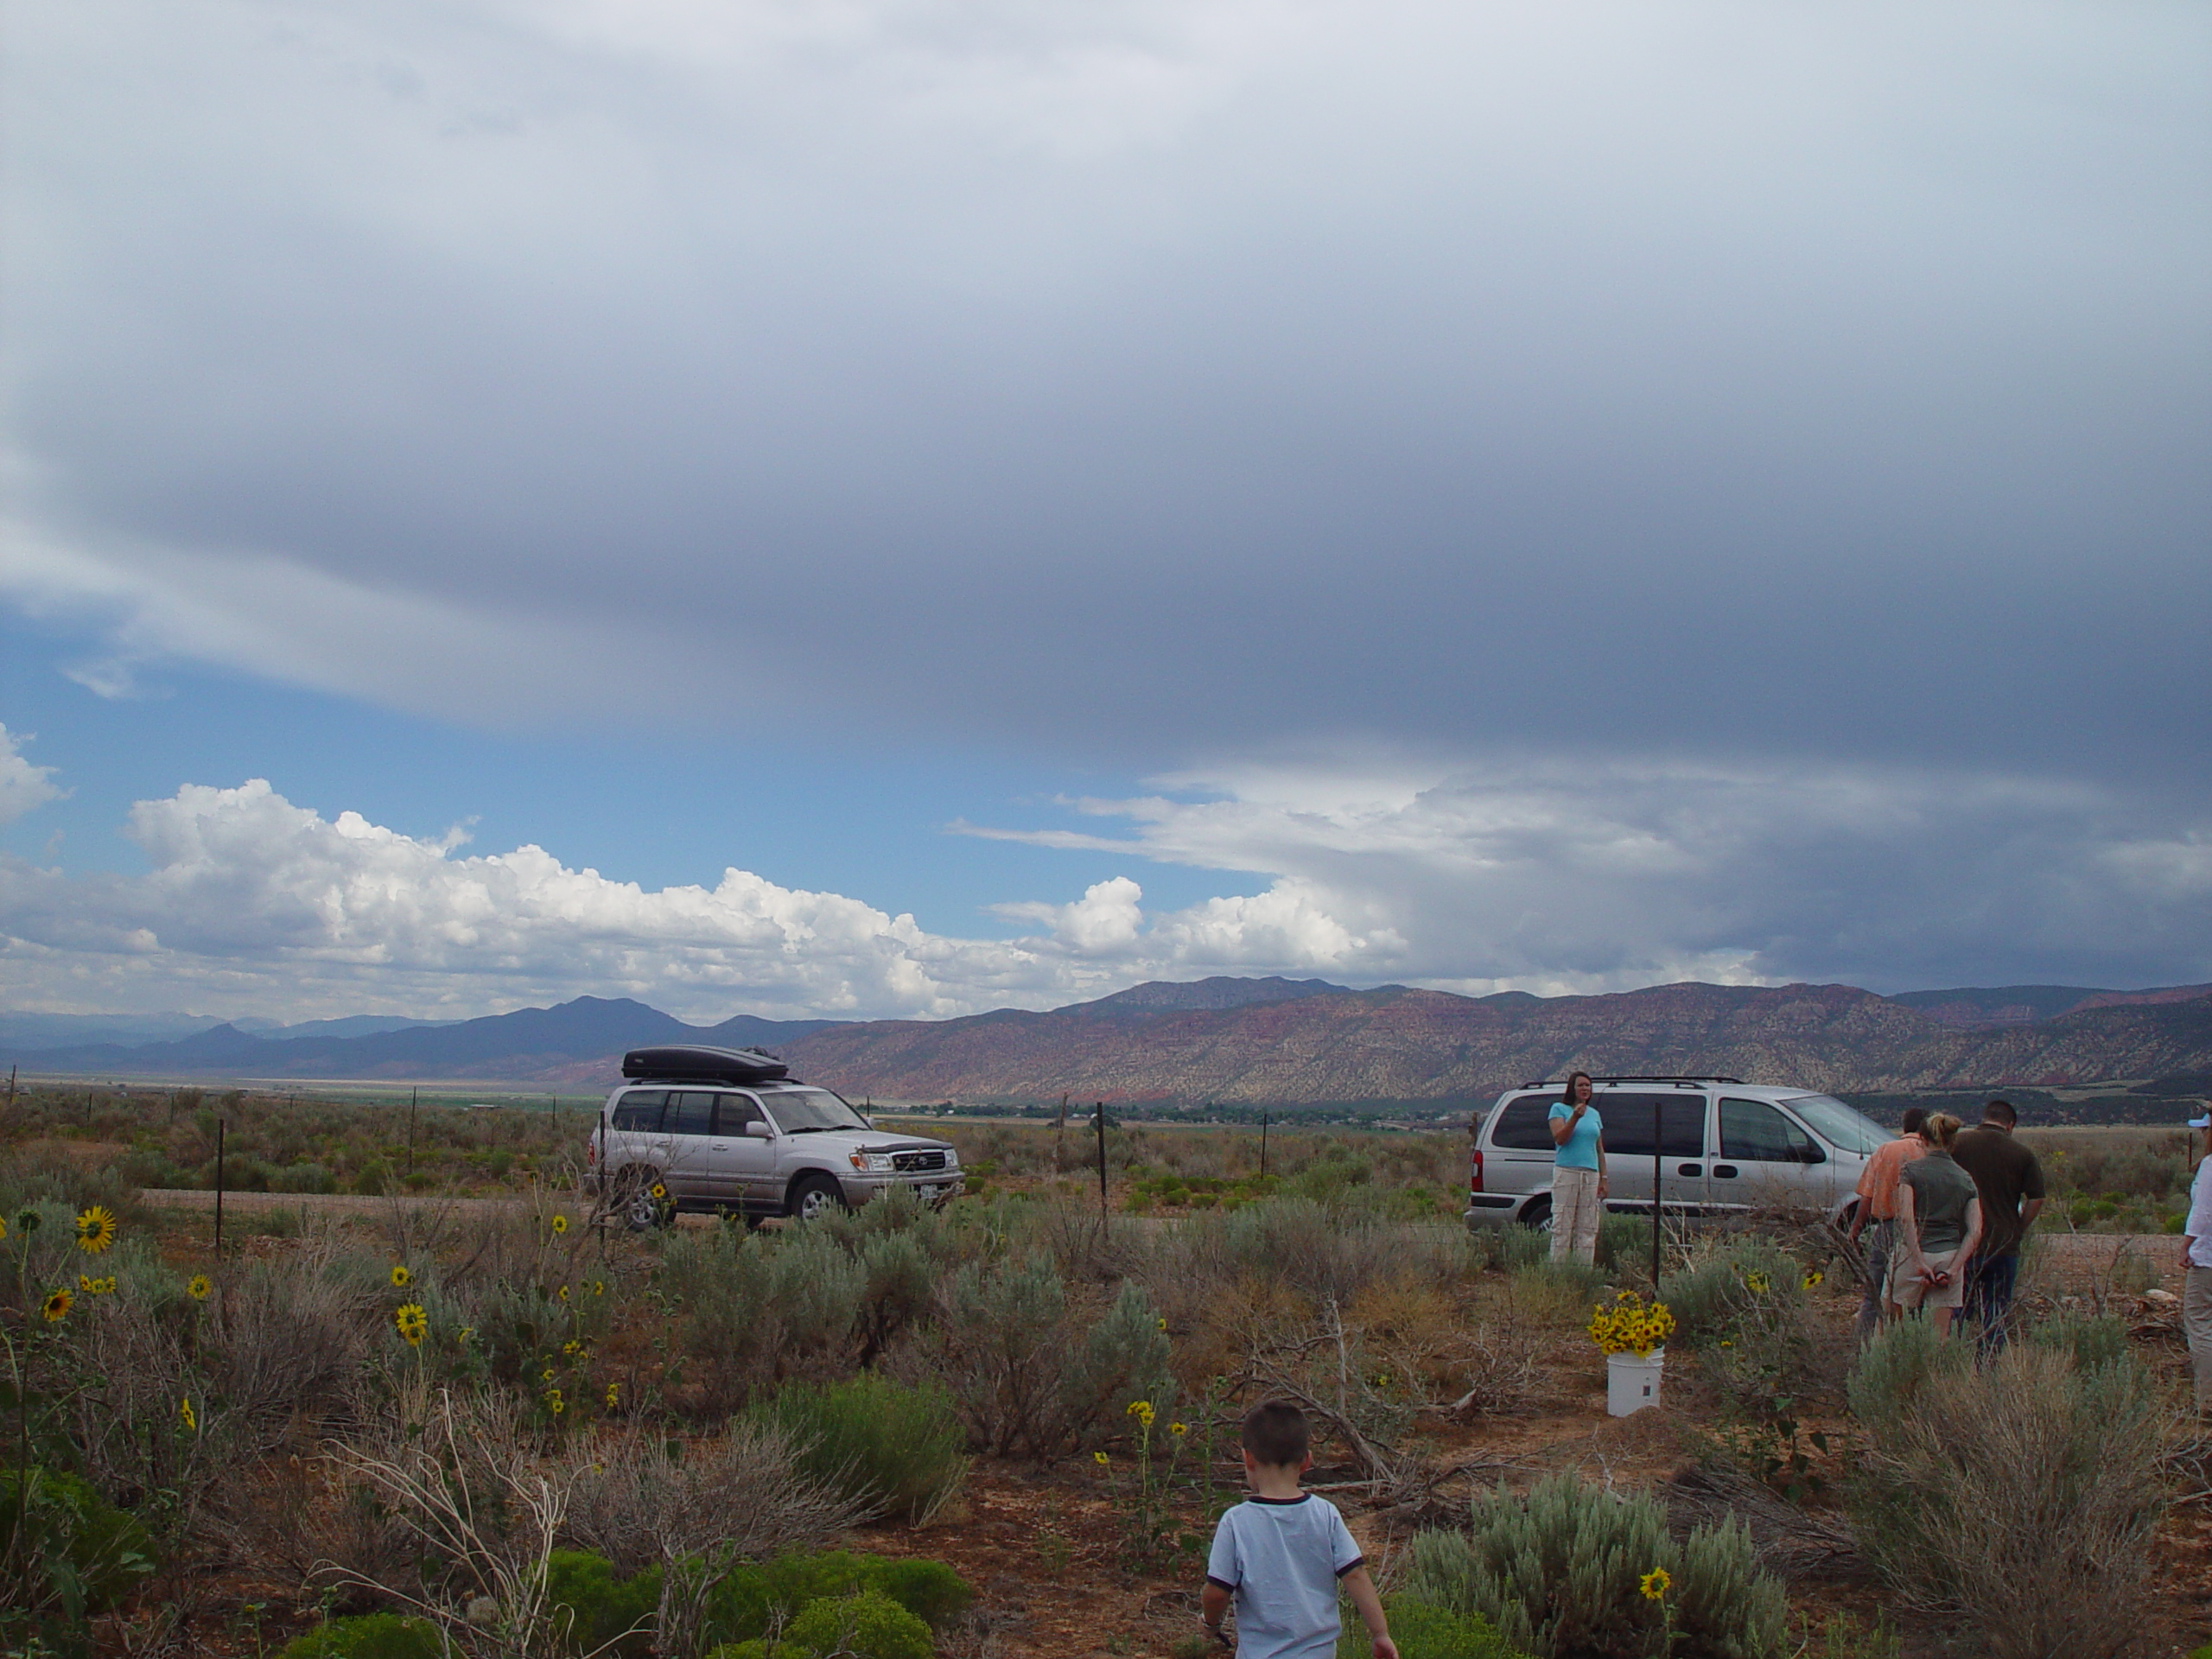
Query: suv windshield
pixel 797 1111
pixel 1838 1123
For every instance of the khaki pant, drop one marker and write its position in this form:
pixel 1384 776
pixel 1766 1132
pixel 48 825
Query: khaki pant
pixel 1575 1210
pixel 2197 1326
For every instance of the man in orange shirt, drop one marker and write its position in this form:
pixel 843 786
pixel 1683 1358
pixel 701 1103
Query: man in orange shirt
pixel 1877 1202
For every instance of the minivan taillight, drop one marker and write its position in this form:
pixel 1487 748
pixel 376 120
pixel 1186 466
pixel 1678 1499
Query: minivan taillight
pixel 1474 1171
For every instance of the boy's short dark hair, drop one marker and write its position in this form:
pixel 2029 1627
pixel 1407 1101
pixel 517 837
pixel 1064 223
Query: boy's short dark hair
pixel 1274 1434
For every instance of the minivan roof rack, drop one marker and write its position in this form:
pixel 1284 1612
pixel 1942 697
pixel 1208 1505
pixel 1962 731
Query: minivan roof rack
pixel 1684 1082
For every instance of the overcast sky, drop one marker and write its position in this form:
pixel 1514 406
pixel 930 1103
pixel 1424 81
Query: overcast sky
pixel 903 508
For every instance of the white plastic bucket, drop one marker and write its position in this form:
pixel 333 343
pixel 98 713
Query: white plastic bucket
pixel 1632 1382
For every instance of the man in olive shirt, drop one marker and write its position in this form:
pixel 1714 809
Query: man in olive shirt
pixel 2010 1184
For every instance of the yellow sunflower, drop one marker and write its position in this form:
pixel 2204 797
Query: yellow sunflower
pixel 197 1288
pixel 659 1192
pixel 184 1415
pixel 57 1305
pixel 1100 1459
pixel 1654 1585
pixel 562 1293
pixel 401 1278
pixel 554 1403
pixel 1179 1429
pixel 95 1229
pixel 560 1225
pixel 411 1322
pixel 613 1395
pixel 599 1287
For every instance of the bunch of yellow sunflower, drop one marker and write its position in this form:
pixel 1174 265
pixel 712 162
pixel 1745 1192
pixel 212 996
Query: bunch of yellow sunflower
pixel 1141 1410
pixel 1628 1326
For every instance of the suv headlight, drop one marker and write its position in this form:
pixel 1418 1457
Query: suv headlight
pixel 875 1162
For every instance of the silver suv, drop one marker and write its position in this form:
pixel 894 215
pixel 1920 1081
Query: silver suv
pixel 1723 1146
pixel 727 1130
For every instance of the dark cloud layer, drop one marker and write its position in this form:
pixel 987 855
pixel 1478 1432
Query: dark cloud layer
pixel 1164 385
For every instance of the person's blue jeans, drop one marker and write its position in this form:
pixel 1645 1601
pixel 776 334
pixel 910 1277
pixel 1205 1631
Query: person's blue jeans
pixel 1990 1283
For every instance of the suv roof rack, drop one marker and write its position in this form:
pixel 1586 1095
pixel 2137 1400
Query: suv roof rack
pixel 1681 1081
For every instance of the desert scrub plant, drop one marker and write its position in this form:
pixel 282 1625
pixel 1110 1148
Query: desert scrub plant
pixel 754 1307
pixel 2019 1495
pixel 1026 1373
pixel 891 1449
pixel 1572 1571
pixel 693 1511
pixel 1731 1289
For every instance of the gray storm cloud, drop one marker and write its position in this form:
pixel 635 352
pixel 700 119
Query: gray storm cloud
pixel 1697 390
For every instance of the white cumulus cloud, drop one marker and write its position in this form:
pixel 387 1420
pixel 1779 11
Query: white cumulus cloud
pixel 254 904
pixel 24 787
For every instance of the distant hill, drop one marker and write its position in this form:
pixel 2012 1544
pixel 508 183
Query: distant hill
pixel 1397 1044
pixel 2023 1005
pixel 1165 996
pixel 1279 1041
pixel 577 1041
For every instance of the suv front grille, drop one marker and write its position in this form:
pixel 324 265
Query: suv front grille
pixel 917 1160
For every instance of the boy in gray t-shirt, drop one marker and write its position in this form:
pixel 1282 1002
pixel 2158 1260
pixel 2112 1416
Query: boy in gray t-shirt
pixel 1283 1553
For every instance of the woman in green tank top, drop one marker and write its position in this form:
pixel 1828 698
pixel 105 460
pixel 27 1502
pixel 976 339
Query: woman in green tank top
pixel 1939 1224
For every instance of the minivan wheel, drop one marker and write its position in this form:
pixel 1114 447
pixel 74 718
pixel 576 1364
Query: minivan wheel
pixel 813 1194
pixel 1538 1215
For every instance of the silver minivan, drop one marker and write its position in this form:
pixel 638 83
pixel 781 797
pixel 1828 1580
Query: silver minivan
pixel 1721 1145
pixel 684 1136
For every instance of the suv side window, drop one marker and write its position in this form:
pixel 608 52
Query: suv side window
pixel 689 1112
pixel 734 1112
pixel 1522 1125
pixel 1753 1132
pixel 640 1109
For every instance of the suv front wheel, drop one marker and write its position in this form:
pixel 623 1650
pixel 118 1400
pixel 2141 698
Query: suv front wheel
pixel 813 1194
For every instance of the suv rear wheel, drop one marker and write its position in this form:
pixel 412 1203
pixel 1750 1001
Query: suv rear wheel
pixel 811 1195
pixel 1538 1215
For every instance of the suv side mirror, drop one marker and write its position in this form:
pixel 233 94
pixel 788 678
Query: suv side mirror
pixel 760 1130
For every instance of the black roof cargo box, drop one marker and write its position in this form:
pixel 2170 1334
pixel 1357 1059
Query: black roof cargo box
pixel 692 1063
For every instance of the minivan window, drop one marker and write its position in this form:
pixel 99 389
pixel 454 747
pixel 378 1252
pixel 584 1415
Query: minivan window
pixel 1853 1131
pixel 1522 1124
pixel 690 1112
pixel 797 1111
pixel 1753 1132
pixel 640 1109
pixel 1628 1124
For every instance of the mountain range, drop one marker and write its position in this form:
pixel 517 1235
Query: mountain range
pixel 1266 1041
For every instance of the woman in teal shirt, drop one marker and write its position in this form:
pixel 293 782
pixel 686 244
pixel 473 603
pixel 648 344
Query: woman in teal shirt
pixel 1578 1171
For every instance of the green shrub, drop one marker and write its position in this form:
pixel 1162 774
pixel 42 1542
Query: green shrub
pixel 304 1178
pixel 601 1609
pixel 1623 1241
pixel 72 1553
pixel 869 1625
pixel 755 1599
pixel 2018 1496
pixel 895 1449
pixel 1559 1575
pixel 1422 1631
pixel 371 1635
